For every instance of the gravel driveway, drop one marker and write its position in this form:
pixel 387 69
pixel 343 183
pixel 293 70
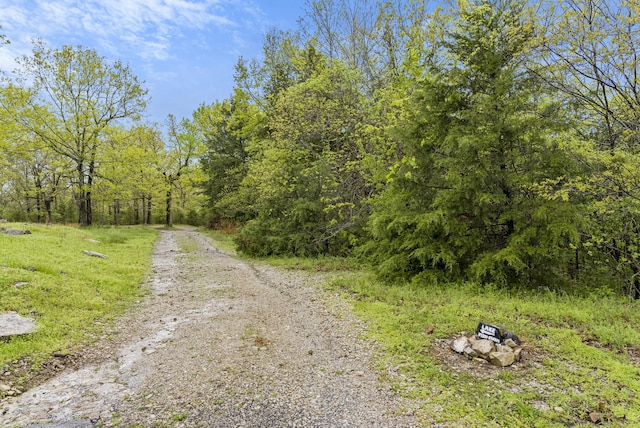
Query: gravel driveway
pixel 221 342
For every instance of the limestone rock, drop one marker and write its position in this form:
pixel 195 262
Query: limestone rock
pixel 595 417
pixel 488 351
pixel 482 346
pixel 517 353
pixel 12 324
pixel 470 353
pixel 15 232
pixel 459 344
pixel 94 254
pixel 502 359
pixel 503 348
pixel 510 343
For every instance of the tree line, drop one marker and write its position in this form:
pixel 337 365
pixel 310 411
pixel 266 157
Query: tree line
pixel 76 151
pixel 484 140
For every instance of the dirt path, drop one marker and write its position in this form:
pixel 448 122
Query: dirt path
pixel 221 343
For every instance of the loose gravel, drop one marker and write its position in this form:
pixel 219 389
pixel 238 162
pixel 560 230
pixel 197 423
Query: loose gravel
pixel 221 342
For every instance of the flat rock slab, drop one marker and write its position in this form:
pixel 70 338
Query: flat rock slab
pixel 15 232
pixel 72 424
pixel 12 324
pixel 94 254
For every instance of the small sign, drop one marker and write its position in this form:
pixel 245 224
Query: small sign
pixel 489 332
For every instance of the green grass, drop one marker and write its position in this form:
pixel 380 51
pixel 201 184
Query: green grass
pixel 578 353
pixel 223 240
pixel 71 295
pixel 317 264
pixel 179 417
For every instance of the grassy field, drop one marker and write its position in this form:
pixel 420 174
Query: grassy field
pixel 71 295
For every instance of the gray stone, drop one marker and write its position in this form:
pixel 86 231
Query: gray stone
pixel 94 254
pixel 517 353
pixel 510 343
pixel 16 232
pixel 541 405
pixel 470 353
pixel 459 344
pixel 512 336
pixel 502 359
pixel 503 348
pixel 482 346
pixel 12 324
pixel 595 417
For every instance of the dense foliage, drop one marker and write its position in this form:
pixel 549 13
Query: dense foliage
pixel 477 139
pixel 493 140
pixel 73 147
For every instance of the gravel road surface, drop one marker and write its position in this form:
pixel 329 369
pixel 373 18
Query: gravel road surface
pixel 221 342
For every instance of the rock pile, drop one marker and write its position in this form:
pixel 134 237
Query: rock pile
pixel 499 354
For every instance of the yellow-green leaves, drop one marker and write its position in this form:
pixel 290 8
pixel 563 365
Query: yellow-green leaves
pixel 76 96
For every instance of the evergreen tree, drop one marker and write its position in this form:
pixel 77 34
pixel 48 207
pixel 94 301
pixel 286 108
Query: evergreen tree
pixel 461 202
pixel 228 127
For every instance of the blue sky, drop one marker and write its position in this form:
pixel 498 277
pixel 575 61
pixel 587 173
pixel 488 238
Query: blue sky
pixel 184 50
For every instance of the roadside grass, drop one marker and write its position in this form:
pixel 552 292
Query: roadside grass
pixel 317 264
pixel 581 364
pixel 71 295
pixel 223 240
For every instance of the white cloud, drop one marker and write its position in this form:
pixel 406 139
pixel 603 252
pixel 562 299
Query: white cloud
pixel 184 50
pixel 145 27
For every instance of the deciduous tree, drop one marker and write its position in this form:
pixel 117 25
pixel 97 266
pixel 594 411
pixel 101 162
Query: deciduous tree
pixel 74 95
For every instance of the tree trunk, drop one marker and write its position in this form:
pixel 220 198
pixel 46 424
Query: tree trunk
pixel 38 207
pixel 116 211
pixel 47 209
pixel 635 282
pixel 136 211
pixel 144 209
pixel 148 219
pixel 89 185
pixel 169 217
pixel 81 197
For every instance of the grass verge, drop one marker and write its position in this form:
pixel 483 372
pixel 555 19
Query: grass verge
pixel 581 364
pixel 223 240
pixel 71 295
